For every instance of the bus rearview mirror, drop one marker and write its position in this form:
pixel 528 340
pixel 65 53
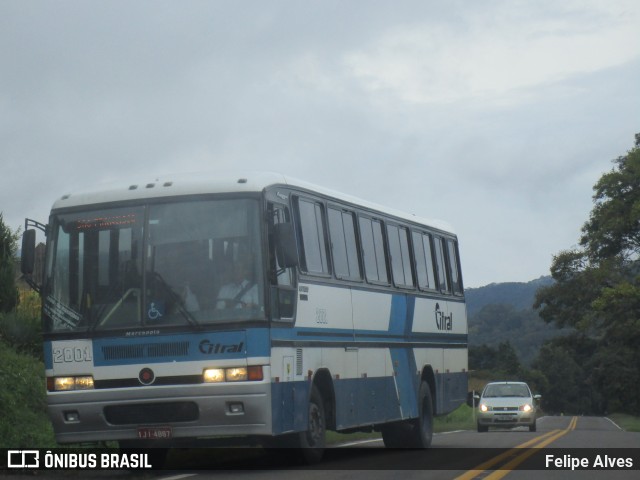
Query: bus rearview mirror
pixel 286 249
pixel 28 258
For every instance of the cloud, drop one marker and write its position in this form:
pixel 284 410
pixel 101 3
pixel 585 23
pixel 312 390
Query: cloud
pixel 499 52
pixel 499 113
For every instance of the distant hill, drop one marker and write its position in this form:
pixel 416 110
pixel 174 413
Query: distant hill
pixel 502 312
pixel 518 295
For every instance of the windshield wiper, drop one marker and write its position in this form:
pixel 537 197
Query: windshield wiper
pixel 177 299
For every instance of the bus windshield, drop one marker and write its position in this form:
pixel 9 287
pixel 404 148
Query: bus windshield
pixel 167 264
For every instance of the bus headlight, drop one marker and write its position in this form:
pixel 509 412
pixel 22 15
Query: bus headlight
pixel 233 374
pixel 213 375
pixel 65 384
pixel 236 374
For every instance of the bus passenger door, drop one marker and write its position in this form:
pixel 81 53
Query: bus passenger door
pixel 286 361
pixel 282 277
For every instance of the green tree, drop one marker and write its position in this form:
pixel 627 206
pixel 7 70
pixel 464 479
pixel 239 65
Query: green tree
pixel 507 359
pixel 8 249
pixel 597 292
pixel 613 228
pixel 482 357
pixel 502 360
pixel 567 388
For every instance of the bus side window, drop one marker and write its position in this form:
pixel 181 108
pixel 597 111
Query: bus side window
pixel 343 244
pixel 456 277
pixel 375 263
pixel 314 247
pixel 400 259
pixel 424 261
pixel 441 262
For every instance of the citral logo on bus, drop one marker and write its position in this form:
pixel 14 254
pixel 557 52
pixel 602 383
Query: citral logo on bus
pixel 443 322
pixel 209 348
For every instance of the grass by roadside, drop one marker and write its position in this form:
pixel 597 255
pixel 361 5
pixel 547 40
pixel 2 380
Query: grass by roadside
pixel 24 422
pixel 459 419
pixel 626 422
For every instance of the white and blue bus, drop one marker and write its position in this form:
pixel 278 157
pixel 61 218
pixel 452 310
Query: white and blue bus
pixel 254 306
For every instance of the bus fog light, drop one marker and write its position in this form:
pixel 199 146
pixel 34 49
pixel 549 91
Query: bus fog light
pixel 72 417
pixel 236 408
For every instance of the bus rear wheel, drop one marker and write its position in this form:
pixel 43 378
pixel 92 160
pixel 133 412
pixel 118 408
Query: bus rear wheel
pixel 416 433
pixel 422 432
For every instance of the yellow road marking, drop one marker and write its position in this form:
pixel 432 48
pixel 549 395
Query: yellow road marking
pixel 535 443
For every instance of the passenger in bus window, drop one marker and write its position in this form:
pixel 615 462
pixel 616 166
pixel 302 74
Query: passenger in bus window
pixel 190 300
pixel 241 291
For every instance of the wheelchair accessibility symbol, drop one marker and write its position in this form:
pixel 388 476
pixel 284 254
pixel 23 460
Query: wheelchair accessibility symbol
pixel 155 311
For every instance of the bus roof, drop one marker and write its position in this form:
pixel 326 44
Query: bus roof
pixel 220 182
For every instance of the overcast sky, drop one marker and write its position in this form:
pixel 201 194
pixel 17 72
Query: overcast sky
pixel 496 116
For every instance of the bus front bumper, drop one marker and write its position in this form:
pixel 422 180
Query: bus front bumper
pixel 161 413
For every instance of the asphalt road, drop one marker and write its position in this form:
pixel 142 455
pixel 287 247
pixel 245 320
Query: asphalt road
pixel 464 455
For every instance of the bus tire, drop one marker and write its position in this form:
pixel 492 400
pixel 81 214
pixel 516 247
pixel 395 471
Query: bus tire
pixel 422 431
pixel 395 435
pixel 312 441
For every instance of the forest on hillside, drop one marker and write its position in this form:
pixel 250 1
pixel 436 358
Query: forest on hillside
pixel 503 313
pixel 591 363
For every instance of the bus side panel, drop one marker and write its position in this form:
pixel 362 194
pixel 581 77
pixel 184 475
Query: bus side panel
pixel 289 403
pixel 380 321
pixel 378 392
pixel 448 320
pixel 455 380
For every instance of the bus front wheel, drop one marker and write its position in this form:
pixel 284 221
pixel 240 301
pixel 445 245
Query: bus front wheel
pixel 312 441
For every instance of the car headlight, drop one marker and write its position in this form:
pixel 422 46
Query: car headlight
pixel 525 408
pixel 484 407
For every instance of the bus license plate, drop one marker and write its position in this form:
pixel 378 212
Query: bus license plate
pixel 154 433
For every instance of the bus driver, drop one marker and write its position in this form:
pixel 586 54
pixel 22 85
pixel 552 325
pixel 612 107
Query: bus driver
pixel 241 291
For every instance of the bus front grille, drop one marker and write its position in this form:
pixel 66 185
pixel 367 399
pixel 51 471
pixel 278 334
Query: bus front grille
pixel 145 350
pixel 151 413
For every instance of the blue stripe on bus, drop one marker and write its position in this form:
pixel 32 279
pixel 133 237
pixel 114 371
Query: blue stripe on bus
pixel 401 316
pixel 48 355
pixel 403 359
pixel 181 347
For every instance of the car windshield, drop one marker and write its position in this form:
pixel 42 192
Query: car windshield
pixel 506 390
pixel 169 264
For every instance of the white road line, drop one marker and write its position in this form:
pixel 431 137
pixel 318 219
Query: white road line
pixel 615 424
pixel 359 442
pixel 179 477
pixel 373 440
